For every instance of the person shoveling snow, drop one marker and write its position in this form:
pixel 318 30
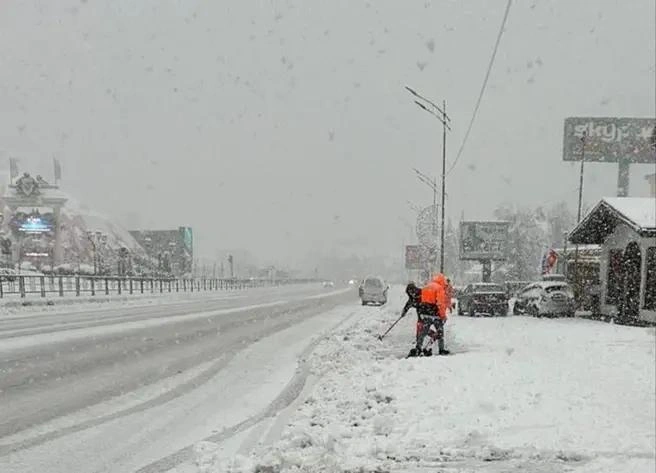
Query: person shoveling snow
pixel 431 307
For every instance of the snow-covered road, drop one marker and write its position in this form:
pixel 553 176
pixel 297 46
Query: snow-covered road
pixel 518 394
pixel 121 387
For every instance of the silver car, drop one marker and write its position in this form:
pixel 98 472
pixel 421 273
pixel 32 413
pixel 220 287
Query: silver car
pixel 546 299
pixel 373 290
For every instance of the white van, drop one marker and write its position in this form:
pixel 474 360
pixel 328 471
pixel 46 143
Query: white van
pixel 373 290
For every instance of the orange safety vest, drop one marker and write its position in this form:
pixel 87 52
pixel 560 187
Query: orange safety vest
pixel 429 293
pixel 442 304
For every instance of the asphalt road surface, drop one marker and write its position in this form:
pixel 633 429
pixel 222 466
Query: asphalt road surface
pixel 56 366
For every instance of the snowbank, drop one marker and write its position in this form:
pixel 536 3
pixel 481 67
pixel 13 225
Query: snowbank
pixel 518 394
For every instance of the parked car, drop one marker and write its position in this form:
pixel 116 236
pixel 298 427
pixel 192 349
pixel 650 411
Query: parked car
pixel 373 290
pixel 483 298
pixel 545 298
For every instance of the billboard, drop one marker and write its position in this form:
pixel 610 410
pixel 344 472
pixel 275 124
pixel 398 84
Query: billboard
pixel 413 257
pixel 187 238
pixel 34 223
pixel 610 139
pixel 186 255
pixel 484 240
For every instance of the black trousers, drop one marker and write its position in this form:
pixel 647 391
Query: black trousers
pixel 424 324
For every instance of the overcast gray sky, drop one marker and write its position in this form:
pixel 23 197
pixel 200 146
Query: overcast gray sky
pixel 283 126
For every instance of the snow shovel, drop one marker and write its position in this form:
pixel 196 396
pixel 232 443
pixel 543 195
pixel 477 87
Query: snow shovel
pixel 380 337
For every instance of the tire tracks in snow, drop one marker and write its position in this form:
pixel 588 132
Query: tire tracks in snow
pixel 229 352
pixel 284 400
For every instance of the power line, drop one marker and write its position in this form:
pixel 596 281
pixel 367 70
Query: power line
pixel 480 95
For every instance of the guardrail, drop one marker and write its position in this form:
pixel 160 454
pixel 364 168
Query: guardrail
pixel 25 286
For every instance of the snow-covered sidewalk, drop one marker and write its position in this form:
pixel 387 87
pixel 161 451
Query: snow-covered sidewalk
pixel 518 394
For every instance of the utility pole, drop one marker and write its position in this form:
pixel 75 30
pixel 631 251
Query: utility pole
pixel 439 113
pixel 577 288
pixel 443 183
pixel 578 213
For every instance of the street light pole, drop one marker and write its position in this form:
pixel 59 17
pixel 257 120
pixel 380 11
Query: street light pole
pixel 440 114
pixel 443 183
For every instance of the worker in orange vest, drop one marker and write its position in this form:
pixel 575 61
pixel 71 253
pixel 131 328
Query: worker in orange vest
pixel 432 314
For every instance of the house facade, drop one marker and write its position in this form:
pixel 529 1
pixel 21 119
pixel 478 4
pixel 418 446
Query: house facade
pixel 625 229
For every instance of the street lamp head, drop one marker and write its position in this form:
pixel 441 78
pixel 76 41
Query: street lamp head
pixel 409 89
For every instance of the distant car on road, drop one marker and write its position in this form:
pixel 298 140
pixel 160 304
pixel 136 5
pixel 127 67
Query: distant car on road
pixel 328 284
pixel 483 298
pixel 373 290
pixel 545 298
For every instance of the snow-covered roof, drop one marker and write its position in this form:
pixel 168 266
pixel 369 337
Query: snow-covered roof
pixel 641 211
pixel 638 213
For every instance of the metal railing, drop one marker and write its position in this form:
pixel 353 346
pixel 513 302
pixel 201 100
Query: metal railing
pixel 42 286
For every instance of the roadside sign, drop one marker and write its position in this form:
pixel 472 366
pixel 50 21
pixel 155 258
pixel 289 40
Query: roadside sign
pixel 610 139
pixel 484 240
pixel 419 256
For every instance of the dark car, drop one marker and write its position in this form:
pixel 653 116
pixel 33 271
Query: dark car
pixel 483 298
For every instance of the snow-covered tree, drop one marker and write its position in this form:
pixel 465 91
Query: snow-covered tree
pixel 527 240
pixel 531 232
pixel 561 220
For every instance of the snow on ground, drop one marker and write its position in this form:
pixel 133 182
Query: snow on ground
pixel 72 334
pixel 518 394
pixel 251 384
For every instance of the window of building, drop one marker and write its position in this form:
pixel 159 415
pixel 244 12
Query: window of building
pixel 650 286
